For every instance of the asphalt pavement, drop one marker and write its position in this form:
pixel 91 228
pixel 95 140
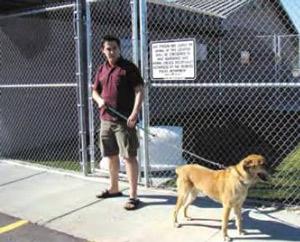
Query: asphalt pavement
pixel 14 229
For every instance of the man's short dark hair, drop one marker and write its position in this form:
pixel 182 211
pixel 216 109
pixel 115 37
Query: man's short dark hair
pixel 108 38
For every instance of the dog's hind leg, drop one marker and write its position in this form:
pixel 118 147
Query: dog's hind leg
pixel 179 204
pixel 183 191
pixel 190 199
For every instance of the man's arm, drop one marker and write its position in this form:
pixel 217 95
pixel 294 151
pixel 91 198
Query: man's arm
pixel 97 98
pixel 139 96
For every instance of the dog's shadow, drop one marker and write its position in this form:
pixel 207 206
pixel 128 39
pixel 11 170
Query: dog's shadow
pixel 202 202
pixel 266 228
pixel 273 228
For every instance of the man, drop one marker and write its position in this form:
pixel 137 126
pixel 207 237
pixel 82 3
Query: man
pixel 119 85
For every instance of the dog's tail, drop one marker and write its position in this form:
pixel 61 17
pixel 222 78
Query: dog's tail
pixel 182 175
pixel 178 169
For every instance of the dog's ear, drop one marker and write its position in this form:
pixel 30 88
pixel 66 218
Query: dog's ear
pixel 262 161
pixel 247 164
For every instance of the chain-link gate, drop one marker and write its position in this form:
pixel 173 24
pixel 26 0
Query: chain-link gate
pixel 115 18
pixel 39 120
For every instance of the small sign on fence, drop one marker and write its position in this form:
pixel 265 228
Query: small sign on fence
pixel 173 60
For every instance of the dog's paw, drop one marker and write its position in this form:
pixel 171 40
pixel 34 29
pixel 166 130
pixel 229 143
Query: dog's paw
pixel 188 218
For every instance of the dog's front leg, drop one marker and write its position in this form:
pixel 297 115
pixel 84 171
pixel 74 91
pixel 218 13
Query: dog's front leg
pixel 238 214
pixel 225 218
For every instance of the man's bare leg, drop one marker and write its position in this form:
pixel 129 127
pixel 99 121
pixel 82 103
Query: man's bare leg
pixel 114 167
pixel 132 174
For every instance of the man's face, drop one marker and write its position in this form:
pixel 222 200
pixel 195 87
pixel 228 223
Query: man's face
pixel 111 51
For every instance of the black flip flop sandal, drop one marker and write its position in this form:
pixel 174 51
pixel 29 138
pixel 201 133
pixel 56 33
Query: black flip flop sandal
pixel 107 194
pixel 132 204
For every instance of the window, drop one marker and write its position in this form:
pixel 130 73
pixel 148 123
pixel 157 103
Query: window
pixel 296 68
pixel 245 57
pixel 201 51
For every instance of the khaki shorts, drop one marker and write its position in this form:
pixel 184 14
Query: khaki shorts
pixel 116 138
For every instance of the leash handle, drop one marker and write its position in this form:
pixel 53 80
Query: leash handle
pixel 125 118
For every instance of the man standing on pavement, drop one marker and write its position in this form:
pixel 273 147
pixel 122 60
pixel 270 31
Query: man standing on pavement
pixel 119 85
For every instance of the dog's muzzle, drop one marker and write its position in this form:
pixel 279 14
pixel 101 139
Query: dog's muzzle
pixel 263 176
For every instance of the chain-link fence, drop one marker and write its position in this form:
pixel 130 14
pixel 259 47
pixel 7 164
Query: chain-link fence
pixel 243 99
pixel 39 121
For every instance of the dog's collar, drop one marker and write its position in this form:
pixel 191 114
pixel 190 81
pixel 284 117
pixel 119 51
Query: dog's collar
pixel 240 177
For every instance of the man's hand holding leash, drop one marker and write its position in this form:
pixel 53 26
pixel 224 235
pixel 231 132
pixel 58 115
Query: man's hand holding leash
pixel 132 120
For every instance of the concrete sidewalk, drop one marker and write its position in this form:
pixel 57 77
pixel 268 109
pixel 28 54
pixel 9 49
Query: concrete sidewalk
pixel 66 202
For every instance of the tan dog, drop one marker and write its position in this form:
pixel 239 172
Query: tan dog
pixel 228 186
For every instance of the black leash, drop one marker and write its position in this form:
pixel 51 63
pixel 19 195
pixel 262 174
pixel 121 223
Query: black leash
pixel 170 145
pixel 125 118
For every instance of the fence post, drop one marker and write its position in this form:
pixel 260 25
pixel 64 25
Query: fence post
pixel 135 38
pixel 297 68
pixel 134 4
pixel 144 71
pixel 90 84
pixel 82 80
